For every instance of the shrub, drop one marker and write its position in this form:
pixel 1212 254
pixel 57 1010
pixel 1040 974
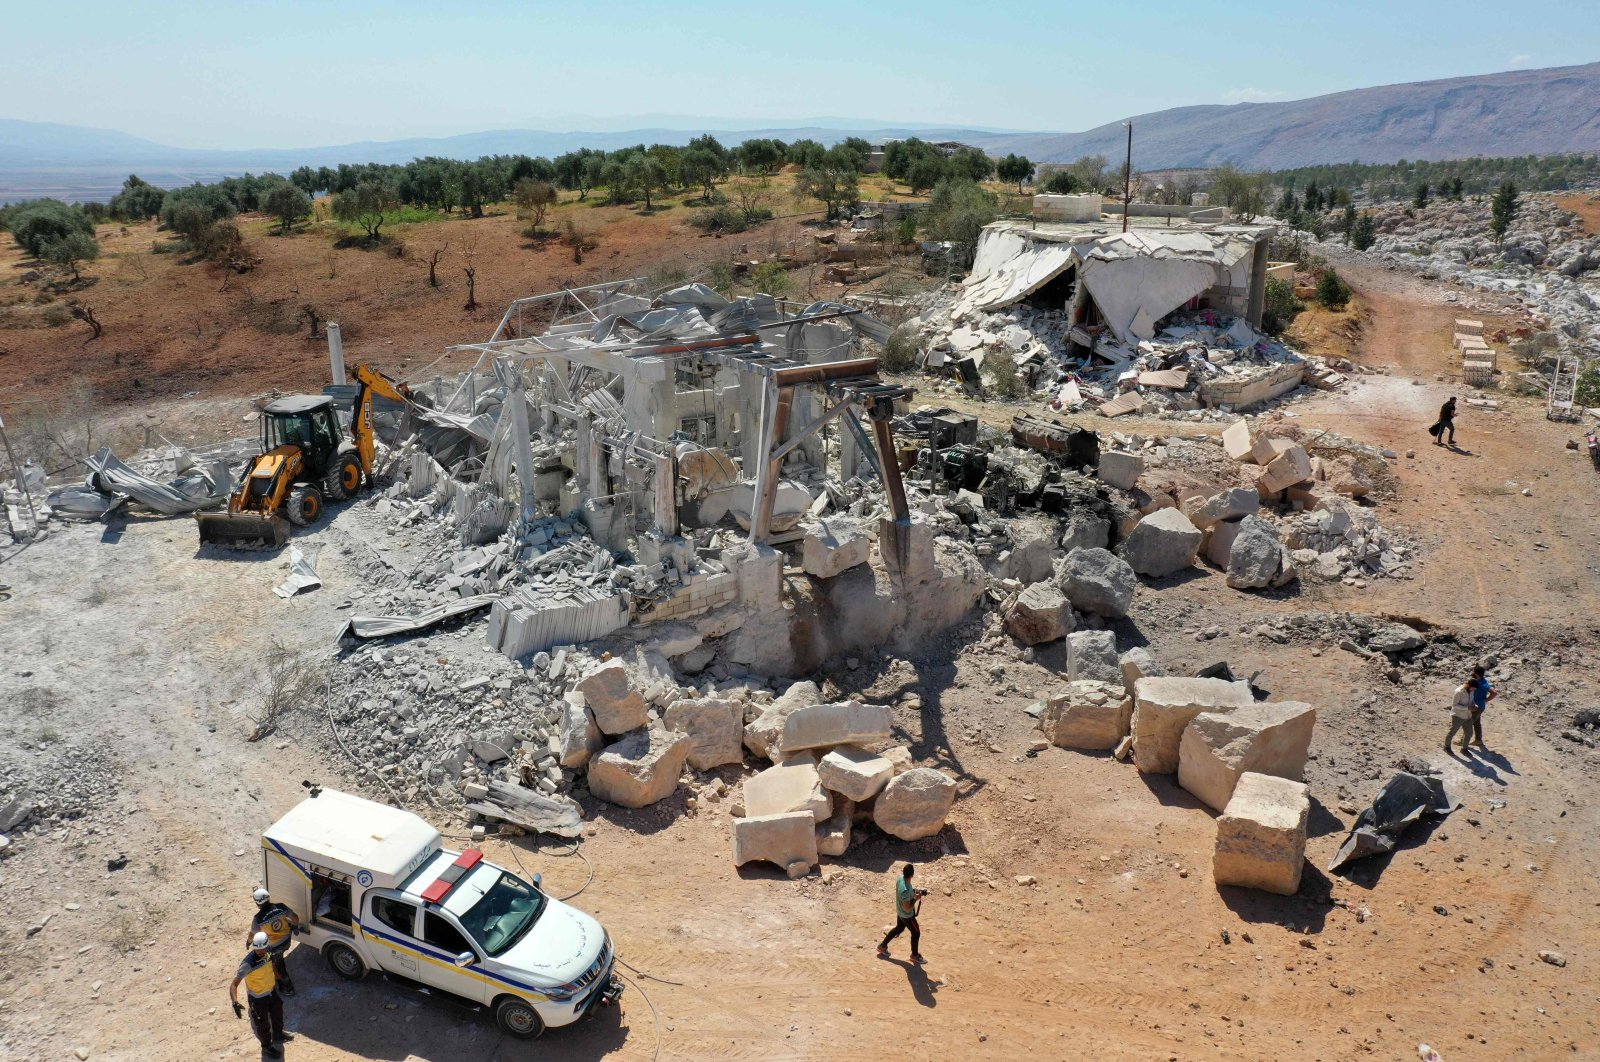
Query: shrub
pixel 957 212
pixel 721 219
pixel 1332 292
pixel 1004 380
pixel 1364 233
pixel 37 224
pixel 900 353
pixel 770 278
pixel 1588 393
pixel 1281 306
pixel 71 251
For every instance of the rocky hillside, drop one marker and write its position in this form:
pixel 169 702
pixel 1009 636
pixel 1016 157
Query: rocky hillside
pixel 1521 112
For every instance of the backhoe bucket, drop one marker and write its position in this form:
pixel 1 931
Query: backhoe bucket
pixel 242 530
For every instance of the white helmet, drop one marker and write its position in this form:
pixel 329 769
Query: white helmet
pixel 259 940
pixel 261 895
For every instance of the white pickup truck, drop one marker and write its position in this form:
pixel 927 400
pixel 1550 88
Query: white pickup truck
pixel 376 890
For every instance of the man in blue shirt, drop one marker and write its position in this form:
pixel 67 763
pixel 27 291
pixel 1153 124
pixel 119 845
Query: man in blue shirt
pixel 1482 694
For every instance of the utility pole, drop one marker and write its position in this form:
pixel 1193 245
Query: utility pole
pixel 1127 179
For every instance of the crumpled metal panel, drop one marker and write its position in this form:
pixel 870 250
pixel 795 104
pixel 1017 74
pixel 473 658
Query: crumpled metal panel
pixel 383 626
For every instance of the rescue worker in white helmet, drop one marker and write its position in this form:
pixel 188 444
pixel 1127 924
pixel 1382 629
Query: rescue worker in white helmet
pixel 279 924
pixel 266 1006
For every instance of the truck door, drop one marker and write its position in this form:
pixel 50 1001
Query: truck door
pixel 441 936
pixel 390 927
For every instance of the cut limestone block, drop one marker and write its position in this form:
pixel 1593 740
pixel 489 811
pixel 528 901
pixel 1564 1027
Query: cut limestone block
pixel 793 785
pixel 788 841
pixel 608 690
pixel 1288 468
pixel 1261 835
pixel 765 732
pixel 1135 664
pixel 578 737
pixel 1041 613
pixel 854 773
pixel 640 769
pixel 842 723
pixel 833 836
pixel 1164 542
pixel 835 544
pixel 914 804
pixel 1468 327
pixel 1120 469
pixel 1267 738
pixel 1087 715
pixel 1256 558
pixel 1163 706
pixel 1236 441
pixel 714 730
pixel 1098 581
pixel 1230 504
pixel 1093 655
pixel 1265 449
pixel 1218 545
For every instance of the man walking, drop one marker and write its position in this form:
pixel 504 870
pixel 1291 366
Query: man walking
pixel 907 902
pixel 266 1006
pixel 1446 423
pixel 279 924
pixel 1481 696
pixel 1461 715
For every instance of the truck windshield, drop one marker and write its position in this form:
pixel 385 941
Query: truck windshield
pixel 506 908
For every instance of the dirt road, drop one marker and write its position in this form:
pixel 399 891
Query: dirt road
pixel 126 640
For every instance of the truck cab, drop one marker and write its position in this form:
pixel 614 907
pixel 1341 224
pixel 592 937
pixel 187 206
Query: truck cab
pixel 376 890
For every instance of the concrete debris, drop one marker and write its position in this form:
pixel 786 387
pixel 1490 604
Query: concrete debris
pixel 1135 664
pixel 793 785
pixel 1164 543
pixel 1040 613
pixel 608 691
pixel 1093 655
pixel 1096 580
pixel 1261 835
pixel 914 804
pixel 715 728
pixel 843 723
pixel 763 736
pixel 833 545
pixel 854 773
pixel 1257 559
pixel 787 840
pixel 578 737
pixel 640 769
pixel 1087 715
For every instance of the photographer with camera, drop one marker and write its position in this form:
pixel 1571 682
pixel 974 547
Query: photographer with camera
pixel 907 905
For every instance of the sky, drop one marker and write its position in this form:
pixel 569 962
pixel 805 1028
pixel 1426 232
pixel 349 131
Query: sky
pixel 295 73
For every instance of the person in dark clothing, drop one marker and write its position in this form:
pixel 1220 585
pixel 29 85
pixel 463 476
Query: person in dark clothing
pixel 260 980
pixel 1482 694
pixel 1447 423
pixel 907 902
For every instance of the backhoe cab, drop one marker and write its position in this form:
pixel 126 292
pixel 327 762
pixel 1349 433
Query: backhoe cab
pixel 305 459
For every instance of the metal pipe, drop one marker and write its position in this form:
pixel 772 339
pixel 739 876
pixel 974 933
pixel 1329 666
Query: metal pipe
pixel 1127 180
pixel 828 370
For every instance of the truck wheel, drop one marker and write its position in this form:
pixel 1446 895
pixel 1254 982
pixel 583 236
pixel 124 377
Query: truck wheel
pixel 343 479
pixel 304 505
pixel 345 962
pixel 518 1018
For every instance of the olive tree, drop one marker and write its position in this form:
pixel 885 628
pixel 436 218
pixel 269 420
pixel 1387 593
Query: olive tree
pixel 287 203
pixel 368 204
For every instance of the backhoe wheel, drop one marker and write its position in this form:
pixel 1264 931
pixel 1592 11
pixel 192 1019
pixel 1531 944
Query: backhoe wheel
pixel 304 505
pixel 344 479
pixel 345 962
pixel 518 1018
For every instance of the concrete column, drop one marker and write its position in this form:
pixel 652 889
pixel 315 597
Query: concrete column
pixel 336 354
pixel 522 438
pixel 666 494
pixel 1256 305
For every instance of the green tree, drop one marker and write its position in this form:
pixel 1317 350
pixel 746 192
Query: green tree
pixel 1281 306
pixel 970 163
pixel 760 155
pixel 1332 292
pixel 832 185
pixel 1420 198
pixel 645 174
pixel 1364 232
pixel 533 198
pixel 860 147
pixel 1243 193
pixel 770 278
pixel 287 203
pixel 702 167
pixel 957 212
pixel 1503 210
pixel 924 172
pixel 71 251
pixel 368 204
pixel 1061 182
pixel 1313 199
pixel 38 223
pixel 805 153
pixel 138 200
pixel 1017 168
pixel 1347 221
pixel 1288 206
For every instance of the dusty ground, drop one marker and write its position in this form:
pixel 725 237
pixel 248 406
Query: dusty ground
pixel 125 639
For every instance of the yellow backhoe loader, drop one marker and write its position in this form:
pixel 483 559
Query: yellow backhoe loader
pixel 304 459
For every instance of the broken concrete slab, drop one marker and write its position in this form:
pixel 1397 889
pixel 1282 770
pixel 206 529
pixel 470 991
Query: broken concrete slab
pixel 1261 835
pixel 1087 715
pixel 1164 542
pixel 578 737
pixel 793 785
pixel 1040 613
pixel 841 723
pixel 1265 449
pixel 1098 581
pixel 786 840
pixel 1120 469
pixel 854 773
pixel 714 726
pixel 1163 706
pixel 640 769
pixel 762 735
pixel 608 691
pixel 1085 530
pixel 835 544
pixel 1093 655
pixel 1272 737
pixel 914 805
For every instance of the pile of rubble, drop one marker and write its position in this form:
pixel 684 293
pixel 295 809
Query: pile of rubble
pixel 48 784
pixel 1542 235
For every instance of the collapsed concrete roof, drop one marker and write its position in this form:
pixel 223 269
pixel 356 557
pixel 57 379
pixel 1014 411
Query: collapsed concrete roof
pixel 1135 277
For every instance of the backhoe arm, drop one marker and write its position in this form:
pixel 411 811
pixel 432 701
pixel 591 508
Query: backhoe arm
pixel 369 382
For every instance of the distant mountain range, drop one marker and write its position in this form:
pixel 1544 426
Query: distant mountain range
pixel 1520 112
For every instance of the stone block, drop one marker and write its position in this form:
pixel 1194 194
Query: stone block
pixel 842 723
pixel 1040 613
pixel 793 785
pixel 833 545
pixel 1256 559
pixel 714 727
pixel 1468 327
pixel 854 773
pixel 608 691
pixel 1265 449
pixel 640 769
pixel 914 805
pixel 1164 706
pixel 1085 530
pixel 1218 545
pixel 578 737
pixel 1098 581
pixel 1093 655
pixel 1164 542
pixel 786 841
pixel 1236 442
pixel 1087 715
pixel 1284 471
pixel 1135 664
pixel 1261 835
pixel 899 757
pixel 833 836
pixel 1266 738
pixel 1344 476
pixel 764 734
pixel 1120 469
pixel 1230 504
